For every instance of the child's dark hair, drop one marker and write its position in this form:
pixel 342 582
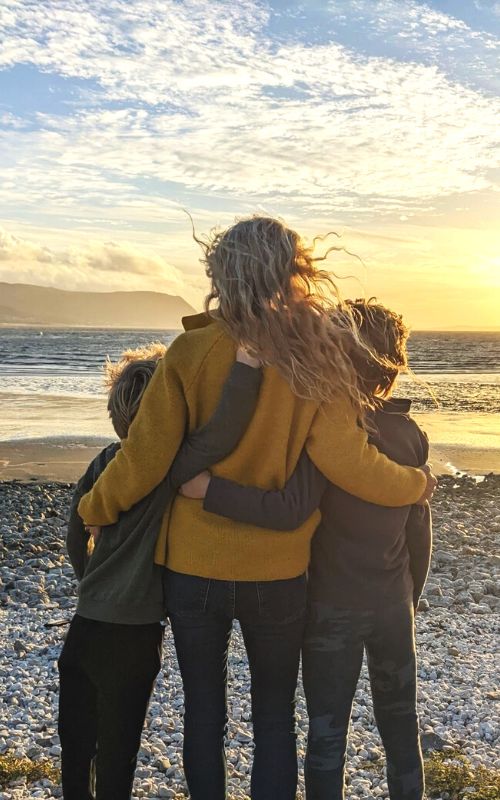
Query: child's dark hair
pixel 126 382
pixel 384 332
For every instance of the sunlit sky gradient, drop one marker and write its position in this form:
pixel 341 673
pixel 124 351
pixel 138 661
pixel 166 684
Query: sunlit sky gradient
pixel 376 119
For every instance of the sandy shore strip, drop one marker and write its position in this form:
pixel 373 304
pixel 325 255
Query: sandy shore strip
pixel 463 442
pixel 53 438
pixel 456 636
pixel 57 460
pixel 39 460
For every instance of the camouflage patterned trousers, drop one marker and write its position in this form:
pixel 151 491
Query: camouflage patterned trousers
pixel 335 640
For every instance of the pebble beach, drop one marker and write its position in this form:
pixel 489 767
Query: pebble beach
pixel 457 633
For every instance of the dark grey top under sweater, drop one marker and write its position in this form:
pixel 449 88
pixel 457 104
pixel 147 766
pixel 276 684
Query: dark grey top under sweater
pixel 363 555
pixel 120 582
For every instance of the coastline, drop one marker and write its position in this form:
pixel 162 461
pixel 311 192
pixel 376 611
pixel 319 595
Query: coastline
pixel 58 326
pixel 39 461
pixel 48 437
pixel 64 461
pixel 67 326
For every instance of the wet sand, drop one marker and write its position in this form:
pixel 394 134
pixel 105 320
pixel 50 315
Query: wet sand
pixel 38 460
pixel 467 443
pixel 35 443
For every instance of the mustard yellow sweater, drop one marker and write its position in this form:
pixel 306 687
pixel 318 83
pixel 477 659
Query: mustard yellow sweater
pixel 184 392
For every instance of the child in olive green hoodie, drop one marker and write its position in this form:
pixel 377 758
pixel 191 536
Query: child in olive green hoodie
pixel 112 653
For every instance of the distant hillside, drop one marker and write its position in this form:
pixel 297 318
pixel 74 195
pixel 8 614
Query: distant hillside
pixel 24 304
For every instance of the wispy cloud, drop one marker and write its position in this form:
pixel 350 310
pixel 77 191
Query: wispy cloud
pixel 198 95
pixel 488 5
pixel 452 40
pixel 86 266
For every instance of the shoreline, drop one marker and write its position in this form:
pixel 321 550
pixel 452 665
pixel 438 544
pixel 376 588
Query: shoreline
pixel 63 460
pixel 43 326
pixel 59 325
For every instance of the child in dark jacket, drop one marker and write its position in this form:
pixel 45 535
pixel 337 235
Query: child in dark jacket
pixel 112 653
pixel 368 568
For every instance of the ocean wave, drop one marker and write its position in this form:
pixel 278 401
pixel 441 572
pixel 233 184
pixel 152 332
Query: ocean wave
pixel 462 370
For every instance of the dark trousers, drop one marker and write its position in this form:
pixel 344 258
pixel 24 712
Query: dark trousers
pixel 271 616
pixel 331 662
pixel 107 672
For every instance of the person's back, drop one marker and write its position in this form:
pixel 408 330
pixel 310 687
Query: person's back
pixel 359 556
pixel 117 620
pixel 281 421
pixel 368 568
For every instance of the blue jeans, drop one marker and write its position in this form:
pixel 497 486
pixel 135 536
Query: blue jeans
pixel 271 615
pixel 335 640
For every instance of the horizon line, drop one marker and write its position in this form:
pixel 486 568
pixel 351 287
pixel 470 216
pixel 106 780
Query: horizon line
pixel 56 326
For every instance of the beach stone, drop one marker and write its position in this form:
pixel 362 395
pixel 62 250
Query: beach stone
pixel 163 763
pixel 165 791
pixel 479 609
pixel 430 742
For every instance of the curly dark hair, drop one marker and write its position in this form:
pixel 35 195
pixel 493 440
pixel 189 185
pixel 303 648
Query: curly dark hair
pixel 386 336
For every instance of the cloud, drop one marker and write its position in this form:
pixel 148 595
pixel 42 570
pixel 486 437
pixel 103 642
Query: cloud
pixel 492 7
pixel 412 30
pixel 197 104
pixel 86 266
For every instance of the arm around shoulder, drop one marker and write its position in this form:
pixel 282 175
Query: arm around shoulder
pixel 278 510
pixel 219 437
pixel 339 447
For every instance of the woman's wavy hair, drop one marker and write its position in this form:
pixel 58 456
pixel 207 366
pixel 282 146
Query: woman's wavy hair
pixel 273 299
pixel 385 335
pixel 126 381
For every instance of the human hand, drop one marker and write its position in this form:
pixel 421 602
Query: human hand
pixel 430 485
pixel 244 357
pixel 94 532
pixel 197 487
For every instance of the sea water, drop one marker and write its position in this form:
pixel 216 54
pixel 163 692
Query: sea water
pixel 51 382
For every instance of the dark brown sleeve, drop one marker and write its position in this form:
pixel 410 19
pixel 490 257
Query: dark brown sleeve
pixel 76 535
pixel 419 535
pixel 424 441
pixel 280 510
pixel 219 437
pixel 419 543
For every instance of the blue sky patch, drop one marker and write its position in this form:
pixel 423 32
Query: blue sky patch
pixel 26 91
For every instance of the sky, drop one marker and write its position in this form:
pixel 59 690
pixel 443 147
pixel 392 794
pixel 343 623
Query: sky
pixel 375 119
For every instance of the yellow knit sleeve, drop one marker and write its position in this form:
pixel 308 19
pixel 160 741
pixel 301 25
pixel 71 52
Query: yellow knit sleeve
pixel 340 450
pixel 147 453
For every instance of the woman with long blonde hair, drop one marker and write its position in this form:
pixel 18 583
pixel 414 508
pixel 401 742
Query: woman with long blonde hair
pixel 271 297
